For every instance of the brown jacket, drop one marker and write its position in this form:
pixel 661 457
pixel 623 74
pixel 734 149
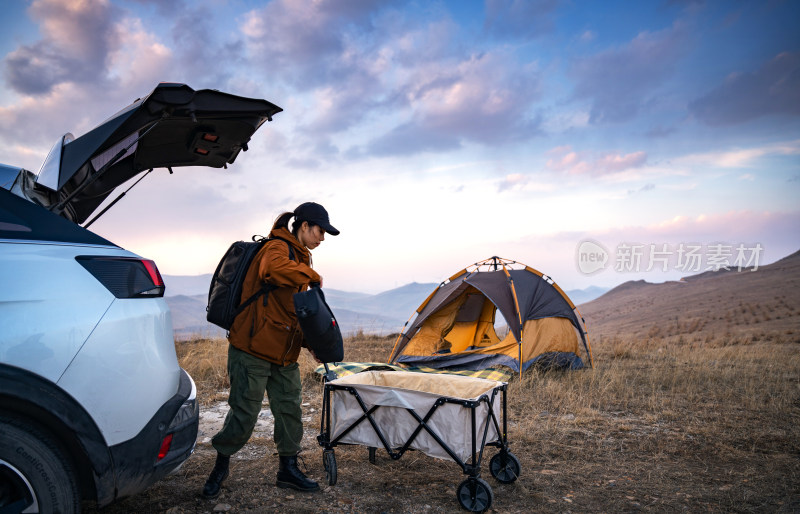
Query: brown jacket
pixel 270 331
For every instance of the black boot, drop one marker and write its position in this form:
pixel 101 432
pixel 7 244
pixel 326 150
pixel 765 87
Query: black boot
pixel 290 476
pixel 218 474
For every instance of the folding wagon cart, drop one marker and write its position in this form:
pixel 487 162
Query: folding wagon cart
pixel 444 416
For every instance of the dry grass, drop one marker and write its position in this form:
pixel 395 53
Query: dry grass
pixel 694 405
pixel 678 423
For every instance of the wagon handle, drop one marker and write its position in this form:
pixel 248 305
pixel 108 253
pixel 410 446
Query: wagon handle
pixel 329 375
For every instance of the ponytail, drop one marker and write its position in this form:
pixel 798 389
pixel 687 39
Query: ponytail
pixel 283 222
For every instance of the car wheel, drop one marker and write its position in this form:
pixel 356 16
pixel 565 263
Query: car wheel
pixel 34 474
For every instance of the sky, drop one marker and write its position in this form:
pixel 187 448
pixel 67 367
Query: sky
pixel 597 142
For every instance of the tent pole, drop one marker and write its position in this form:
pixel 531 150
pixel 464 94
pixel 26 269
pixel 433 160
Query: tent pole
pixel 519 315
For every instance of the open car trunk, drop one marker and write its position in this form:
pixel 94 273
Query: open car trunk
pixel 172 126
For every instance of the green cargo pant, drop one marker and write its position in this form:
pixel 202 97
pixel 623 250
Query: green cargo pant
pixel 250 377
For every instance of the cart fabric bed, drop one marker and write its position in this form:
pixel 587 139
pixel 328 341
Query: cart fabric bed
pixel 443 416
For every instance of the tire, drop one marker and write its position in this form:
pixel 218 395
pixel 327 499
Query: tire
pixel 475 495
pixel 505 467
pixel 329 463
pixel 35 475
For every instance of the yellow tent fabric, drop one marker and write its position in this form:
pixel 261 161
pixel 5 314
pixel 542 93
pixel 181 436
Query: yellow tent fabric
pixel 540 336
pixel 454 328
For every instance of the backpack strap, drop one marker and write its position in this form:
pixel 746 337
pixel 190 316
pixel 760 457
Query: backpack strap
pixel 291 250
pixel 266 288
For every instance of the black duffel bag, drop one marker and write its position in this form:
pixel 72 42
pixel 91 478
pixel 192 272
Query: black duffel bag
pixel 319 326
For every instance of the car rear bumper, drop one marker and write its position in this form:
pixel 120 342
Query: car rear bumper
pixel 143 460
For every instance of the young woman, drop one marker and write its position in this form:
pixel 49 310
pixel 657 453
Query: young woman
pixel 265 342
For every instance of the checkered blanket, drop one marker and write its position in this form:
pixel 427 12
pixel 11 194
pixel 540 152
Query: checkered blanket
pixel 342 369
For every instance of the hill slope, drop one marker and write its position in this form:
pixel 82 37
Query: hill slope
pixel 763 301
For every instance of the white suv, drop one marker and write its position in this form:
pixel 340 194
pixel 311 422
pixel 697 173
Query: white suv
pixel 93 403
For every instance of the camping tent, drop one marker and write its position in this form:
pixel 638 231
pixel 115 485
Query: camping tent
pixel 454 328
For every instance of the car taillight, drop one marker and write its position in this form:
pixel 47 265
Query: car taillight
pixel 125 277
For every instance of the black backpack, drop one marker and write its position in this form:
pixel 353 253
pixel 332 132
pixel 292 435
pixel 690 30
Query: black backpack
pixel 225 291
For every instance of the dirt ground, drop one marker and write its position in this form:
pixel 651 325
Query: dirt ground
pixel 623 463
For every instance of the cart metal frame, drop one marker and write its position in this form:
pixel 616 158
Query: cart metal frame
pixel 474 494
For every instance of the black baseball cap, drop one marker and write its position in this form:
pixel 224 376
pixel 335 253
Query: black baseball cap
pixel 316 214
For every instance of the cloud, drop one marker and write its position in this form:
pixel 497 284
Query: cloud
pixel 78 38
pixel 614 163
pixel 128 72
pixel 306 40
pixel 564 120
pixel 138 65
pixel 659 132
pixel 773 89
pixel 564 159
pixel 402 83
pixel 345 61
pixel 740 157
pixel 512 181
pixel 165 7
pixel 731 226
pixel 619 81
pixel 644 188
pixel 408 139
pixel 482 99
pixel 523 19
pixel 200 54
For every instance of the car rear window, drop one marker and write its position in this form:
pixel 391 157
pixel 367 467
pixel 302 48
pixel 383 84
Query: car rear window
pixel 24 220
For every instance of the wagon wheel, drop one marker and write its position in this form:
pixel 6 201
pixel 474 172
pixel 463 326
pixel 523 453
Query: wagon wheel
pixel 505 467
pixel 329 463
pixel 475 495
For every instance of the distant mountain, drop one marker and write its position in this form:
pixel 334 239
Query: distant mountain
pixel 382 313
pixel 189 316
pixel 342 297
pixel 579 296
pixel 397 303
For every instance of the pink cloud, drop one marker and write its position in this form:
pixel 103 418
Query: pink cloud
pixel 565 160
pixel 774 231
pixel 512 181
pixel 614 163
